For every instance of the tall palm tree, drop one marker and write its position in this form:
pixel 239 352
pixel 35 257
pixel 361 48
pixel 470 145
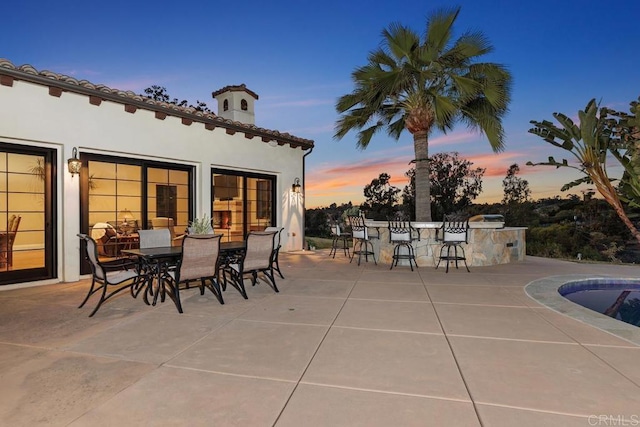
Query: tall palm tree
pixel 422 85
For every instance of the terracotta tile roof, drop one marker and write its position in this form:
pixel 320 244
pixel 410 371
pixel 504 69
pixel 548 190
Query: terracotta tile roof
pixel 235 88
pixel 59 83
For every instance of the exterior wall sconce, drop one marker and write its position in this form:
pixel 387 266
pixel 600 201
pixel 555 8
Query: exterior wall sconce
pixel 296 185
pixel 74 164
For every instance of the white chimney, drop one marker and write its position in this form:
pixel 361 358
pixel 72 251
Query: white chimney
pixel 236 103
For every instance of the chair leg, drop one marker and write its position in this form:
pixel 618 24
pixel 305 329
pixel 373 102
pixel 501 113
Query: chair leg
pixel 345 246
pixel 102 299
pixel 91 291
pixel 353 254
pixel 236 280
pixel 214 287
pixel 277 266
pixel 413 256
pixel 334 246
pixel 373 255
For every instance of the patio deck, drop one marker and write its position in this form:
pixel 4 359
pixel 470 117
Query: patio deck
pixel 340 345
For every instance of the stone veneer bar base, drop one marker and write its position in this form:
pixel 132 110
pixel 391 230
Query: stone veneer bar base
pixel 487 245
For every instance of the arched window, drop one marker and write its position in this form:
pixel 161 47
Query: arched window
pixel 225 105
pixel 243 105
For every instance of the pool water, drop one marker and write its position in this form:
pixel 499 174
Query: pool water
pixel 617 300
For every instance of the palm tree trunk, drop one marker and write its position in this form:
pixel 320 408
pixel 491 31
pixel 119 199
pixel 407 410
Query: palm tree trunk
pixel 423 185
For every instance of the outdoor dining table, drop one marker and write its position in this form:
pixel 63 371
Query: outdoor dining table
pixel 158 262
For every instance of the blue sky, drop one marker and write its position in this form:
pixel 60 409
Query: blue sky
pixel 298 57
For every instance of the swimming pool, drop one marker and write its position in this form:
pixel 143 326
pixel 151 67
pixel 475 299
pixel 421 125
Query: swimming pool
pixel 546 292
pixel 617 299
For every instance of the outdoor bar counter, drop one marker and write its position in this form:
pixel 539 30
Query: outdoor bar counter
pixel 490 243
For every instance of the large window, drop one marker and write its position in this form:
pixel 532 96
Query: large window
pixel 120 196
pixel 27 206
pixel 242 202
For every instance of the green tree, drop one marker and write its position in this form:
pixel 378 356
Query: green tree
pixel 455 183
pixel 589 143
pixel 408 207
pixel 516 189
pixel 159 93
pixel 422 85
pixel 517 207
pixel 380 198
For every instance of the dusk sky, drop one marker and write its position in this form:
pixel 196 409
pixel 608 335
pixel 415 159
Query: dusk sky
pixel 298 57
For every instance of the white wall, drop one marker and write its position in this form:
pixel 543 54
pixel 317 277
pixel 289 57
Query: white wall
pixel 30 116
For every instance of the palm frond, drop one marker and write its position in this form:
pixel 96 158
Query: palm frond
pixel 439 28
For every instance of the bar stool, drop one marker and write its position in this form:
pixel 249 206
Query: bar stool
pixel 454 234
pixel 338 235
pixel 402 234
pixel 362 244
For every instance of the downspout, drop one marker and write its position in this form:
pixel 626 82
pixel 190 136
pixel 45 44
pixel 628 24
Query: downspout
pixel 304 182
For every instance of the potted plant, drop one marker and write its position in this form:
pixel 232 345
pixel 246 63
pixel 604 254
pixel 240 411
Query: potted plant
pixel 201 226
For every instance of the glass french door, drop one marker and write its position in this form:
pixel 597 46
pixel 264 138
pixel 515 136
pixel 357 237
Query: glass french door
pixel 242 202
pixel 27 206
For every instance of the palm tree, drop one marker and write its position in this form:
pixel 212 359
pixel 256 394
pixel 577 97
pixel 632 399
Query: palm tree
pixel 422 85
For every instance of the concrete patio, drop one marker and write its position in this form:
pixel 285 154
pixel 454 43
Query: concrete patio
pixel 340 345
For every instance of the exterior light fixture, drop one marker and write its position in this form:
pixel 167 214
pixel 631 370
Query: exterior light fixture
pixel 296 185
pixel 74 164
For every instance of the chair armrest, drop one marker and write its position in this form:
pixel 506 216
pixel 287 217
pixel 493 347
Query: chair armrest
pixel 119 264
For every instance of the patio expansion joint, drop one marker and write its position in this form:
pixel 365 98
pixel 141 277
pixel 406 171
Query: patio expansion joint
pixel 455 360
pixel 386 392
pixel 388 330
pixel 479 337
pixel 390 300
pixel 522 408
pixel 229 374
pixel 275 322
pixel 481 304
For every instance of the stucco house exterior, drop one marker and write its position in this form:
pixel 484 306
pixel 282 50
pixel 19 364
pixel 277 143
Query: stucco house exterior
pixel 142 161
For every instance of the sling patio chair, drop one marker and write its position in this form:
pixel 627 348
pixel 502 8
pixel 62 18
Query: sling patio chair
pixel 199 262
pixel 257 258
pixel 276 247
pixel 118 275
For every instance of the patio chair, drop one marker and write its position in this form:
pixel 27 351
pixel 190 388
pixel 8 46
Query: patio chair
pixel 6 241
pixel 455 232
pixel 257 258
pixel 120 274
pixel 154 238
pixel 199 262
pixel 402 235
pixel 276 247
pixel 160 223
pixel 362 244
pixel 338 235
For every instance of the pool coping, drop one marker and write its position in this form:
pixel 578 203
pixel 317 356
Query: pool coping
pixel 545 292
